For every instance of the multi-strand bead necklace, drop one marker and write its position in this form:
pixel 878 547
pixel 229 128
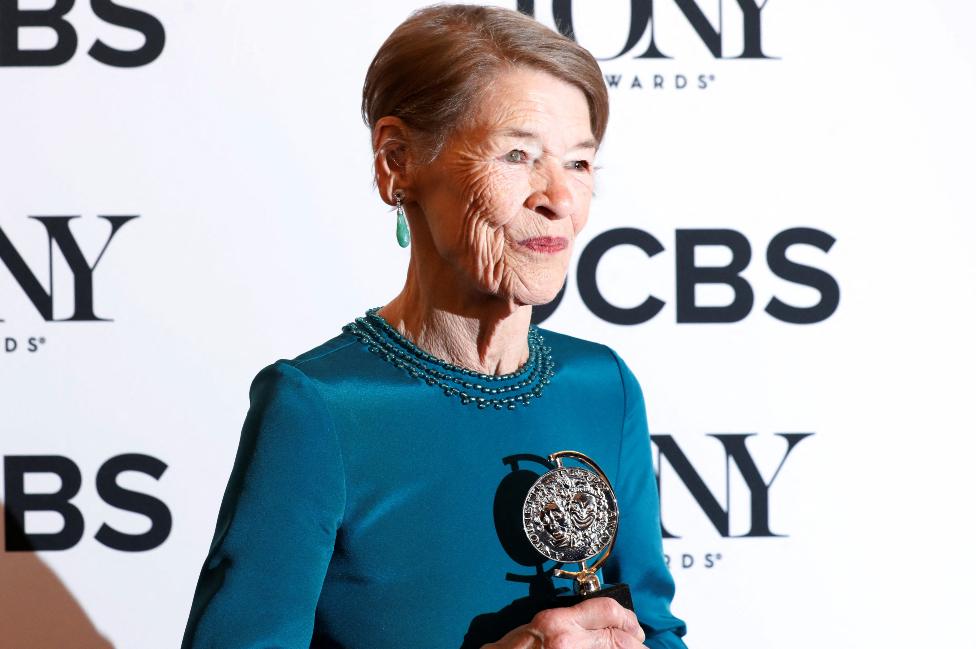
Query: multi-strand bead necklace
pixel 484 390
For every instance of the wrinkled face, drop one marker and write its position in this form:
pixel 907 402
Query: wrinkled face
pixel 554 523
pixel 583 510
pixel 510 191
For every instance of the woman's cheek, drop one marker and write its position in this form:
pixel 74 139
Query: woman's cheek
pixel 514 188
pixel 494 197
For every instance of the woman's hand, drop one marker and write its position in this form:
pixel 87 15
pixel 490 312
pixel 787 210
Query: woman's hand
pixel 598 623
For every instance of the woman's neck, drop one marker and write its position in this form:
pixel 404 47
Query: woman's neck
pixel 481 332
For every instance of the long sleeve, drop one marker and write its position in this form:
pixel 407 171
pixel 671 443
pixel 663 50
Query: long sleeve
pixel 638 557
pixel 277 524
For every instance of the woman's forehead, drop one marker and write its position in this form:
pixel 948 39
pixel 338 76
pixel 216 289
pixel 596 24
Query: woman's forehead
pixel 531 104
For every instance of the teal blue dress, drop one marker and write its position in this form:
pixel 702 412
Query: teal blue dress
pixel 375 500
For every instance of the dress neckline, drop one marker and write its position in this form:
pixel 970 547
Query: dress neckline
pixel 496 391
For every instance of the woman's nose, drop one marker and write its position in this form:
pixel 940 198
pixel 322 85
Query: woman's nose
pixel 552 196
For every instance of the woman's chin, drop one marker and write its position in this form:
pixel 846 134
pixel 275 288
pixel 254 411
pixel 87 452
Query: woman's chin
pixel 533 291
pixel 536 296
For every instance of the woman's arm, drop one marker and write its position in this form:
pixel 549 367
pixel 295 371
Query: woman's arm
pixel 638 557
pixel 277 524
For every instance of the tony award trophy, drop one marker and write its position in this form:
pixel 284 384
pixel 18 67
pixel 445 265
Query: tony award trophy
pixel 570 516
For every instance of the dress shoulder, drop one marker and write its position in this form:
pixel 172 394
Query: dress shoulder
pixel 336 357
pixel 572 348
pixel 600 359
pixel 331 346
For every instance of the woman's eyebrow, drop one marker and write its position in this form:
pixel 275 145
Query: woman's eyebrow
pixel 588 143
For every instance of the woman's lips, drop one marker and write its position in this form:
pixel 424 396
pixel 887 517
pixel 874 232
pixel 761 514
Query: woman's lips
pixel 545 244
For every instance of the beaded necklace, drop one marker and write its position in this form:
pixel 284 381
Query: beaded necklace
pixel 498 391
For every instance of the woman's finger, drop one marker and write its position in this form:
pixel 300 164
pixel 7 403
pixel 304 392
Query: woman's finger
pixel 619 639
pixel 604 612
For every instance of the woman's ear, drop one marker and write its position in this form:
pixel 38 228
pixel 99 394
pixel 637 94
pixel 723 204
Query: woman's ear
pixel 391 156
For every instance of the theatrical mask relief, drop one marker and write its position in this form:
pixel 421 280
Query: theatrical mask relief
pixel 570 515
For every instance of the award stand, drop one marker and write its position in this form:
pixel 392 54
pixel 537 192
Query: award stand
pixel 570 516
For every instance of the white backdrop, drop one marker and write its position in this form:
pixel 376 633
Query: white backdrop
pixel 258 235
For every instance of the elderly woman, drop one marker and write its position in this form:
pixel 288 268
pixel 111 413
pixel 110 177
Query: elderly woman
pixel 378 474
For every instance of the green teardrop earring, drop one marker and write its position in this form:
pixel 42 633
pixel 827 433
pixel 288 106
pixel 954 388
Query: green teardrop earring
pixel 402 231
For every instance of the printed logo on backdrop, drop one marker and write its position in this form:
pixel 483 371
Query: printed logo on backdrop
pixel 720 518
pixel 79 280
pixel 18 501
pixel 652 31
pixel 690 275
pixel 15 21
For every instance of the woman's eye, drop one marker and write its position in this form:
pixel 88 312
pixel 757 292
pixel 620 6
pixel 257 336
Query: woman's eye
pixel 580 165
pixel 516 155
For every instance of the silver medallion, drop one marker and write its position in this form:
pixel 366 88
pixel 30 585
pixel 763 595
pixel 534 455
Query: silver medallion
pixel 570 514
